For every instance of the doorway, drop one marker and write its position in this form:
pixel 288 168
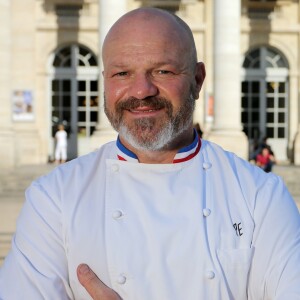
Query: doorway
pixel 265 105
pixel 74 96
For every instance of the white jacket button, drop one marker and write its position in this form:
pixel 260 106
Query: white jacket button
pixel 206 212
pixel 206 165
pixel 117 214
pixel 210 275
pixel 114 168
pixel 121 279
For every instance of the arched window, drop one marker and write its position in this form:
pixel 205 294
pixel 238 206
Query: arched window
pixel 262 58
pixel 74 94
pixel 74 55
pixel 265 97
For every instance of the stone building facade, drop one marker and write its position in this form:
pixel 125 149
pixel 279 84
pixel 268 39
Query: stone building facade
pixel 51 73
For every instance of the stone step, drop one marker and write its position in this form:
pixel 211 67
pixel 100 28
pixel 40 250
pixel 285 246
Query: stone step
pixel 13 183
pixel 290 175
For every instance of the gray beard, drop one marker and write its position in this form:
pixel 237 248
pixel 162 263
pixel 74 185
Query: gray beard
pixel 164 137
pixel 172 127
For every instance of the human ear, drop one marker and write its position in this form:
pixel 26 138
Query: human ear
pixel 199 77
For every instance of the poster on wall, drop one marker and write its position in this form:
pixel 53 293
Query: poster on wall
pixel 22 105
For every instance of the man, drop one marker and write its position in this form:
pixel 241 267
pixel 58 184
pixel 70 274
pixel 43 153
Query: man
pixel 159 214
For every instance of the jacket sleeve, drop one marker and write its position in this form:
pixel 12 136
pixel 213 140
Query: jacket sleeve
pixel 36 267
pixel 275 271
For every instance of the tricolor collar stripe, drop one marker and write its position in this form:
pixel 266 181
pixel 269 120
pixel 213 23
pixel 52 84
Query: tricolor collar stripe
pixel 124 153
pixel 190 156
pixel 186 151
pixel 184 154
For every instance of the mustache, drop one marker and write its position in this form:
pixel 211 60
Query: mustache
pixel 152 102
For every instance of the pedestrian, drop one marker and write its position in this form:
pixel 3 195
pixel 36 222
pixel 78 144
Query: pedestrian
pixel 258 147
pixel 265 159
pixel 159 213
pixel 61 142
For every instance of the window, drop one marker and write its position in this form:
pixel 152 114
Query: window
pixel 262 58
pixel 74 94
pixel 74 56
pixel 264 100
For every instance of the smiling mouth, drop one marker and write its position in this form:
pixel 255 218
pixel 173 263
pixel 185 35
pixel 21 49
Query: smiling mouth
pixel 143 110
pixel 145 107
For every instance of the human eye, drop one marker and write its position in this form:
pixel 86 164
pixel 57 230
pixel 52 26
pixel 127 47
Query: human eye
pixel 164 72
pixel 121 74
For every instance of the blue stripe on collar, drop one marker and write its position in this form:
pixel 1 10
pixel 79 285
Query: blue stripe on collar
pixel 124 153
pixel 192 145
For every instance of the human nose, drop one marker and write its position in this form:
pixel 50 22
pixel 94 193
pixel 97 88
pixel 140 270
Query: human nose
pixel 142 87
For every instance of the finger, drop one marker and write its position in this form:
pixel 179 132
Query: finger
pixel 94 286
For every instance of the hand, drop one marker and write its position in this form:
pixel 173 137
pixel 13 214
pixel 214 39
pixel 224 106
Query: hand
pixel 94 286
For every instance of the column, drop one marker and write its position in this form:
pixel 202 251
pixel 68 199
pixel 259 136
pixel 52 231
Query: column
pixel 109 12
pixel 296 148
pixel 7 149
pixel 227 128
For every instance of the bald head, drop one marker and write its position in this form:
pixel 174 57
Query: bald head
pixel 152 22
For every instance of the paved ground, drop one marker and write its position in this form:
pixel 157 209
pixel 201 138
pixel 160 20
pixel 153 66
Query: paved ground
pixel 13 183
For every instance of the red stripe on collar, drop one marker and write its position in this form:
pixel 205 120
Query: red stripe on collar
pixel 176 161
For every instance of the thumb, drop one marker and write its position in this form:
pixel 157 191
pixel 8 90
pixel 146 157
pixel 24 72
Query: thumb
pixel 93 285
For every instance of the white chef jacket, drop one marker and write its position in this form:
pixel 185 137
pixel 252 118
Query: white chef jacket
pixel 210 226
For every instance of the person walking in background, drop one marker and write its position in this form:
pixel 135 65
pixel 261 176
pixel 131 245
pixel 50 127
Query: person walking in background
pixel 61 142
pixel 265 159
pixel 258 147
pixel 264 144
pixel 159 213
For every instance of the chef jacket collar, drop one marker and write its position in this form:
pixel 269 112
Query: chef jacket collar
pixel 184 154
